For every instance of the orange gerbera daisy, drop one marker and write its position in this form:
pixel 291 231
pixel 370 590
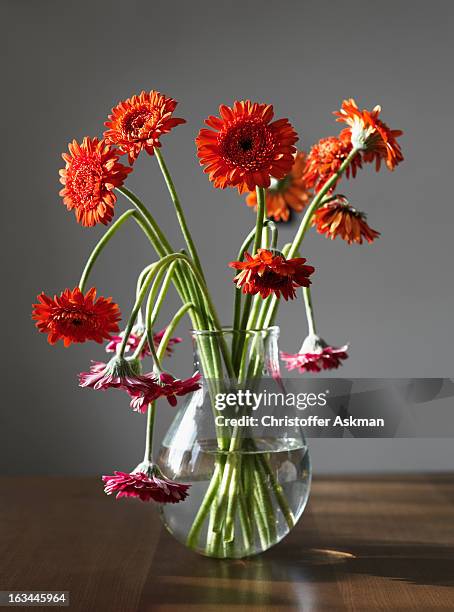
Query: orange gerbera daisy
pixel 244 148
pixel 326 157
pixel 138 123
pixel 75 317
pixel 338 218
pixel 368 133
pixel 284 195
pixel 90 176
pixel 270 272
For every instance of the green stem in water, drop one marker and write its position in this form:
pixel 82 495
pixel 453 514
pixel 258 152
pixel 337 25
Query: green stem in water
pixel 179 210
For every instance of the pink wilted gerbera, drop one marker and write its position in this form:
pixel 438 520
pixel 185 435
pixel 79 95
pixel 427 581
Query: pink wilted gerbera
pixel 163 385
pixel 147 483
pixel 315 355
pixel 135 338
pixel 118 373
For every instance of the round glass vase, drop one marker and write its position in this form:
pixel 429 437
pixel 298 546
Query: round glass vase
pixel 235 443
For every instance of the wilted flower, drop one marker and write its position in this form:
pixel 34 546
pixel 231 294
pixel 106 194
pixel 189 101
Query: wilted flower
pixel 118 373
pixel 147 483
pixel 370 135
pixel 75 317
pixel 315 355
pixel 270 272
pixel 135 338
pixel 339 218
pixel 163 385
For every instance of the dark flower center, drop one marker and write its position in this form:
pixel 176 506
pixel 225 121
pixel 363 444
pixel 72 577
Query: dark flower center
pixel 271 280
pixel 136 123
pixel 248 144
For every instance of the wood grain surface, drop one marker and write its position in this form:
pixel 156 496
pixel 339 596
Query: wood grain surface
pixel 375 543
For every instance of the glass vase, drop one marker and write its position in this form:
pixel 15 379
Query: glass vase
pixel 235 444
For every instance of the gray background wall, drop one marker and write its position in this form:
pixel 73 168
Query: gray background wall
pixel 66 64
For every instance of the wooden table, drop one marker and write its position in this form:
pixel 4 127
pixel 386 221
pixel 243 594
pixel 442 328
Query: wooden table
pixel 376 543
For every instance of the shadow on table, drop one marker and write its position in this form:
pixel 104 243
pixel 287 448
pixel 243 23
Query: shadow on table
pixel 289 574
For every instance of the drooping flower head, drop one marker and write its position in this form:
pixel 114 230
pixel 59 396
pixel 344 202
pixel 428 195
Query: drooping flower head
pixel 339 218
pixel 75 317
pixel 118 373
pixel 163 385
pixel 325 159
pixel 135 338
pixel 315 355
pixel 244 148
pixel 270 272
pixel 371 135
pixel 139 122
pixel 90 176
pixel 287 194
pixel 147 483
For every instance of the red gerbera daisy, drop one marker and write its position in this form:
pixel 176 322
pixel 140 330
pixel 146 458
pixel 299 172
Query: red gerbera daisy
pixel 244 148
pixel 90 176
pixel 287 194
pixel 315 355
pixel 139 122
pixel 75 317
pixel 146 483
pixel 368 133
pixel 339 218
pixel 270 272
pixel 326 157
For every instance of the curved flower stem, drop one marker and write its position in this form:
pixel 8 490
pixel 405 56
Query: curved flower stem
pixel 179 210
pixel 153 307
pixel 156 235
pixel 148 456
pixel 160 239
pixel 137 305
pixel 309 310
pixel 102 243
pixel 171 328
pixel 165 261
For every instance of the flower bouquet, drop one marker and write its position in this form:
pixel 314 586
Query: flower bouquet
pixel 223 490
